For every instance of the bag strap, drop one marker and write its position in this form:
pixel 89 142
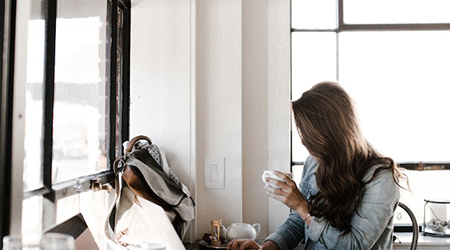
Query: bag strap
pixel 110 220
pixel 136 139
pixel 119 162
pixel 118 165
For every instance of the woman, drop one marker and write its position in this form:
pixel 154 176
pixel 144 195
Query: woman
pixel 348 192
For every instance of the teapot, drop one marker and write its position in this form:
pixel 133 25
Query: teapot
pixel 241 231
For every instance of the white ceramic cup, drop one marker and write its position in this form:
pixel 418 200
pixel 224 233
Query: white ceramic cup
pixel 270 174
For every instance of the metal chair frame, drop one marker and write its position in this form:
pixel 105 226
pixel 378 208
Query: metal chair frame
pixel 415 226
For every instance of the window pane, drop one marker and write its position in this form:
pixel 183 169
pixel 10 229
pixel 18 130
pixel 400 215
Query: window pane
pixel 317 14
pixel 400 82
pixel 313 61
pixel 32 172
pixel 80 89
pixel 396 11
pixel 431 185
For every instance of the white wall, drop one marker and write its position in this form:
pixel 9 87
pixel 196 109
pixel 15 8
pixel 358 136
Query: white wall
pixel 210 79
pixel 161 103
pixel 219 108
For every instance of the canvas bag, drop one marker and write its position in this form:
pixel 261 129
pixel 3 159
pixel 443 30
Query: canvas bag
pixel 145 222
pixel 143 171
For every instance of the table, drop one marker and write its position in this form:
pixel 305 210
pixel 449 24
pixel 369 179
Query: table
pixel 197 246
pixel 425 242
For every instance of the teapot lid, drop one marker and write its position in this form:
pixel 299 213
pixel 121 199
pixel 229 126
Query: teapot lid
pixel 240 224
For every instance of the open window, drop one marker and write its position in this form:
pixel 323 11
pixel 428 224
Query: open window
pixel 76 108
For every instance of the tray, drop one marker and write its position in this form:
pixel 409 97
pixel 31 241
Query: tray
pixel 223 245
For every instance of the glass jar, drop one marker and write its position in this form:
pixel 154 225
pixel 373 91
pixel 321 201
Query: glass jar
pixel 436 218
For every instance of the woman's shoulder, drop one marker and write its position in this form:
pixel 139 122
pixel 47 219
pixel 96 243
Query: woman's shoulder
pixel 380 174
pixel 382 188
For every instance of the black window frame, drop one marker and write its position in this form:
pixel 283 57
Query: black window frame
pixel 7 42
pixel 117 107
pixel 343 27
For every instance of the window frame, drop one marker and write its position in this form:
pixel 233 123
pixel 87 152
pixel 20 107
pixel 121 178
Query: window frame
pixel 343 27
pixel 117 110
pixel 7 43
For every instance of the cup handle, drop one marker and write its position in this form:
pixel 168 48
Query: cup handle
pixel 223 230
pixel 257 226
pixel 264 177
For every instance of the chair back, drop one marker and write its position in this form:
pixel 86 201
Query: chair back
pixel 415 226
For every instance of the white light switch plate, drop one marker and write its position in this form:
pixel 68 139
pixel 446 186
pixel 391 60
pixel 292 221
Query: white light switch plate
pixel 215 173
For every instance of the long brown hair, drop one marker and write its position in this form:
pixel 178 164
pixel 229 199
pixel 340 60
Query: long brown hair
pixel 328 125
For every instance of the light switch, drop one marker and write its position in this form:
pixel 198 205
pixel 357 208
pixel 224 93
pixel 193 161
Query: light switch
pixel 215 173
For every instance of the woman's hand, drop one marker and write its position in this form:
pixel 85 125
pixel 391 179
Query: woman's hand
pixel 251 244
pixel 288 194
pixel 242 245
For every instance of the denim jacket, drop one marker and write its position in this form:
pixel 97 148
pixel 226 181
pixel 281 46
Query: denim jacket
pixel 371 229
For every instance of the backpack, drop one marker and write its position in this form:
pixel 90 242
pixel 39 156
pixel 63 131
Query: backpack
pixel 143 169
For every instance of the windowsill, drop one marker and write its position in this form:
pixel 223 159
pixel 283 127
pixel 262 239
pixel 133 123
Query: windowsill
pixel 424 242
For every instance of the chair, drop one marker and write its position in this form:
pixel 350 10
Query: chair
pixel 415 226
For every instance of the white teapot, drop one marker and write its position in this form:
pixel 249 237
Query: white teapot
pixel 241 231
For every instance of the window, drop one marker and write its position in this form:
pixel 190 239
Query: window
pixel 6 87
pixel 76 109
pixel 392 58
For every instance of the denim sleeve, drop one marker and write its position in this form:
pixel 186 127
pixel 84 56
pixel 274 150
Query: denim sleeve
pixel 375 212
pixel 290 234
